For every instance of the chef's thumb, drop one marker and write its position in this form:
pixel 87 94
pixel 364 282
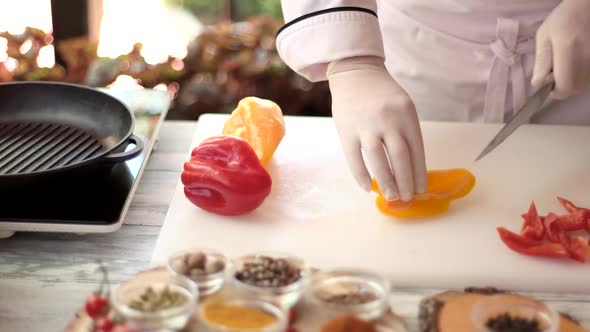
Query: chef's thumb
pixel 543 59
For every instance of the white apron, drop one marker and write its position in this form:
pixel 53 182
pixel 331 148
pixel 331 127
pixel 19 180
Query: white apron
pixel 462 60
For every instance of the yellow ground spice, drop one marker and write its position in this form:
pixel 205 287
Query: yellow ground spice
pixel 238 317
pixel 348 323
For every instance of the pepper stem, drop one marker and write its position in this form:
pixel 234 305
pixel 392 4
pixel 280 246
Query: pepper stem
pixel 105 279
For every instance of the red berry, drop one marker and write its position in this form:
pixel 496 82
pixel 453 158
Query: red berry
pixel 292 316
pixel 95 305
pixel 105 325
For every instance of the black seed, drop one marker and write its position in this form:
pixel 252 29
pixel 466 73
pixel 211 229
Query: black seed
pixel 506 323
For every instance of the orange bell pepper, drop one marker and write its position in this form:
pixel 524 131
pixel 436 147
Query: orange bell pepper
pixel 260 123
pixel 443 187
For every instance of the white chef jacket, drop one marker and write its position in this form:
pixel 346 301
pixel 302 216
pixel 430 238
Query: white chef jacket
pixel 459 60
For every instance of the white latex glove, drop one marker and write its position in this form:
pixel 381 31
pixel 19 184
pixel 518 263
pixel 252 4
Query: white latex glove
pixel 373 113
pixel 563 45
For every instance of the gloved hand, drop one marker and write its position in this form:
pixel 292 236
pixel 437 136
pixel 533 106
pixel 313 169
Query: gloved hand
pixel 373 113
pixel 563 45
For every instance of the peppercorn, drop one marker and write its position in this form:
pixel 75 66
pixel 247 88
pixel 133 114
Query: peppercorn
pixel 268 272
pixel 506 323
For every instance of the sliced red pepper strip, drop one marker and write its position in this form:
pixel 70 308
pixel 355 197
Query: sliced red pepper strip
pixel 526 246
pixel 552 227
pixel 517 238
pixel 576 247
pixel 575 221
pixel 569 206
pixel 533 227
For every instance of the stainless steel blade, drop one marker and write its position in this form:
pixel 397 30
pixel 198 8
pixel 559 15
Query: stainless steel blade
pixel 533 105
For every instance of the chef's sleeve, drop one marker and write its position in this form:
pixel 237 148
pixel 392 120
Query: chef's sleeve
pixel 319 32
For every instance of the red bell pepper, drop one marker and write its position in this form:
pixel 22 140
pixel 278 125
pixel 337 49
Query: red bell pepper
pixel 555 224
pixel 532 227
pixel 552 227
pixel 577 219
pixel 576 247
pixel 574 221
pixel 224 176
pixel 569 206
pixel 526 246
pixel 556 228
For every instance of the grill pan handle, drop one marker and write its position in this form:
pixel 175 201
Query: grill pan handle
pixel 126 155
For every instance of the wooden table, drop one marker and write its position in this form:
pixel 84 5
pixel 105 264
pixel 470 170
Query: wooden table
pixel 44 278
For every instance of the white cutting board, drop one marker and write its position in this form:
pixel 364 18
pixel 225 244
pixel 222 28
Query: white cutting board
pixel 317 211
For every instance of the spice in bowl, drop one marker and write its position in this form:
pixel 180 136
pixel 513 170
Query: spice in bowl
pixel 512 312
pixel 348 323
pixel 346 293
pixel 356 292
pixel 197 264
pixel 280 276
pixel 238 317
pixel 153 300
pixel 241 313
pixel 205 267
pixel 507 323
pixel 264 271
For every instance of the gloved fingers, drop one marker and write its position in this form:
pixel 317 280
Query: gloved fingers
pixel 399 158
pixel 543 59
pixel 379 163
pixel 566 59
pixel 354 158
pixel 413 137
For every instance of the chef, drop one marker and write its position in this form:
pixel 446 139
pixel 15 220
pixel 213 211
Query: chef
pixel 390 63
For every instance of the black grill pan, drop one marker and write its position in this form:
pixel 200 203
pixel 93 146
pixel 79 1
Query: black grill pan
pixel 48 128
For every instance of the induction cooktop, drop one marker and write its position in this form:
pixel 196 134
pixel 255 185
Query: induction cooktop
pixel 94 202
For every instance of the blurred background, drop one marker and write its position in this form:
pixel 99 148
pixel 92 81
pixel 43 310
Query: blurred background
pixel 207 54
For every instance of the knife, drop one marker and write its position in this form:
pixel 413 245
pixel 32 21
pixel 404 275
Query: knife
pixel 532 106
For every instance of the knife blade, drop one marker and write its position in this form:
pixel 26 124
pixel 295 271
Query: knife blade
pixel 532 106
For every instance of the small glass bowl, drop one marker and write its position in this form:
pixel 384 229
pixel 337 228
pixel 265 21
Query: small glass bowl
pixel 287 296
pixel 208 283
pixel 172 319
pixel 267 305
pixel 516 306
pixel 344 278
